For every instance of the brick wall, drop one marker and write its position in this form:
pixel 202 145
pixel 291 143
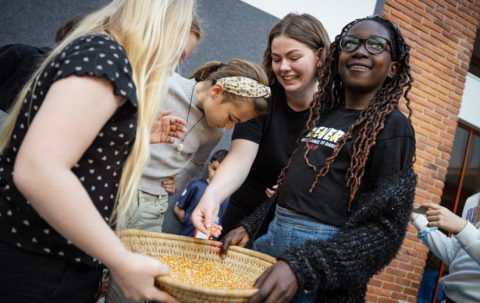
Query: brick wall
pixel 441 34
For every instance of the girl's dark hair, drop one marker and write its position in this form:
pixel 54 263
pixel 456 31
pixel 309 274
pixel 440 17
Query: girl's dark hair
pixel 67 27
pixel 215 70
pixel 305 29
pixel 331 95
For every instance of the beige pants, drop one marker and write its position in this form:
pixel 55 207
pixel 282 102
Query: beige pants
pixel 146 213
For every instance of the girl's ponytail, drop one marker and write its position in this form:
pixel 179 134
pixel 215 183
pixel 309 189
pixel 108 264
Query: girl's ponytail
pixel 204 72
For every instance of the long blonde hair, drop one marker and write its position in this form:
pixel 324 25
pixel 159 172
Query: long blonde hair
pixel 153 34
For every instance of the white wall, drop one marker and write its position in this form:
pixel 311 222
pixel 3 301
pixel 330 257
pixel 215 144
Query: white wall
pixel 334 14
pixel 470 108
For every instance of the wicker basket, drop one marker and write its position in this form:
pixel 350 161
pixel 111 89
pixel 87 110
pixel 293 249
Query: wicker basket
pixel 248 262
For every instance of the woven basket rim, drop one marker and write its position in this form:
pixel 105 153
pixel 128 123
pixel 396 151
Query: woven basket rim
pixel 144 233
pixel 237 293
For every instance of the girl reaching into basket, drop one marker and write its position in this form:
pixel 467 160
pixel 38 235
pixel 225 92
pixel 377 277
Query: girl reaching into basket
pixel 344 199
pixel 293 60
pixel 217 96
pixel 83 118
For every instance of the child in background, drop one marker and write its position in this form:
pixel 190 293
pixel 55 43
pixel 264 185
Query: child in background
pixel 461 252
pixel 192 195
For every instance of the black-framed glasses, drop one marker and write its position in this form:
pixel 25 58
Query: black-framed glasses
pixel 373 45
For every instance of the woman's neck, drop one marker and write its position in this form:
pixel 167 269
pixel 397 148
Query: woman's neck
pixel 300 101
pixel 358 101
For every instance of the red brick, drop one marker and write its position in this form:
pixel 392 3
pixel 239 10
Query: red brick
pixel 379 291
pixel 399 297
pixel 403 281
pixel 375 282
pixel 370 298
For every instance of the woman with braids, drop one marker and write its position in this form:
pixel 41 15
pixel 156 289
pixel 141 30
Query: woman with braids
pixel 344 199
pixel 261 147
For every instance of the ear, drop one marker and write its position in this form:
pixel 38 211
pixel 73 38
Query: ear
pixel 319 60
pixel 216 90
pixel 393 70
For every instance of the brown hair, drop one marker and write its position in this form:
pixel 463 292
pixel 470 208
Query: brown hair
pixel 215 70
pixel 371 120
pixel 67 27
pixel 305 29
pixel 195 27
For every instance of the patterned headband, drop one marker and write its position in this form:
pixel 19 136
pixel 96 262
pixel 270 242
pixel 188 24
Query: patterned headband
pixel 243 86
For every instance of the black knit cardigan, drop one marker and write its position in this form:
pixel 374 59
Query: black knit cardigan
pixel 340 268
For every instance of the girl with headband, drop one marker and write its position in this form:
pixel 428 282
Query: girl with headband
pixel 216 96
pixel 343 204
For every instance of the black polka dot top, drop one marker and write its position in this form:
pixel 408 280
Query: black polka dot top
pixel 100 167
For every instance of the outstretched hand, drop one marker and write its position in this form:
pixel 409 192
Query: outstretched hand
pixel 239 236
pixel 136 275
pixel 277 284
pixel 204 216
pixel 443 218
pixel 166 127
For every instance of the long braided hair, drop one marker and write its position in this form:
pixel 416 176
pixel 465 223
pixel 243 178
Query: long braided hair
pixel 331 95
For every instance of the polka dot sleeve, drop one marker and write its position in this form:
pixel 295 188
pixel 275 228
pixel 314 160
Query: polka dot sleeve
pixel 98 56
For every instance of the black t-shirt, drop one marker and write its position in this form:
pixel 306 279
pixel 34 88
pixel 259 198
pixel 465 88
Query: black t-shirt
pixel 328 203
pixel 276 132
pixel 99 169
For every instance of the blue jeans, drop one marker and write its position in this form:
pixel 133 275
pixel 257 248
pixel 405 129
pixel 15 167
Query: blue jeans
pixel 289 229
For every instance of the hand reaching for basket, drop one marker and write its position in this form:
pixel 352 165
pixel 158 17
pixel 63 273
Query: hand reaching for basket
pixel 204 215
pixel 277 284
pixel 239 236
pixel 135 276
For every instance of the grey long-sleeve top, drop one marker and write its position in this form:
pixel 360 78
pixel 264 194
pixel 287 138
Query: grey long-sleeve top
pixel 165 160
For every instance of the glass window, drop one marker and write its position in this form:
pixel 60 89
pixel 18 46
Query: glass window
pixel 471 178
pixel 455 168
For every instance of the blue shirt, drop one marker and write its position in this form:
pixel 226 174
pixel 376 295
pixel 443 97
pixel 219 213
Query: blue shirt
pixel 189 200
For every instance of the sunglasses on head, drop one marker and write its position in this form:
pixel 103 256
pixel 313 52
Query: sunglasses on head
pixel 373 45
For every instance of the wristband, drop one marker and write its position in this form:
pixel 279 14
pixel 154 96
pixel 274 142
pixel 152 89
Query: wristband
pixel 425 232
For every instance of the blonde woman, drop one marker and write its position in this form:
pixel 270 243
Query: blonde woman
pixel 76 142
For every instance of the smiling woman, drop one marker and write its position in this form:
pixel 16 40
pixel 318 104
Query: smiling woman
pixel 293 61
pixel 350 181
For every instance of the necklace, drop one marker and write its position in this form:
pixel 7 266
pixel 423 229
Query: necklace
pixel 180 146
